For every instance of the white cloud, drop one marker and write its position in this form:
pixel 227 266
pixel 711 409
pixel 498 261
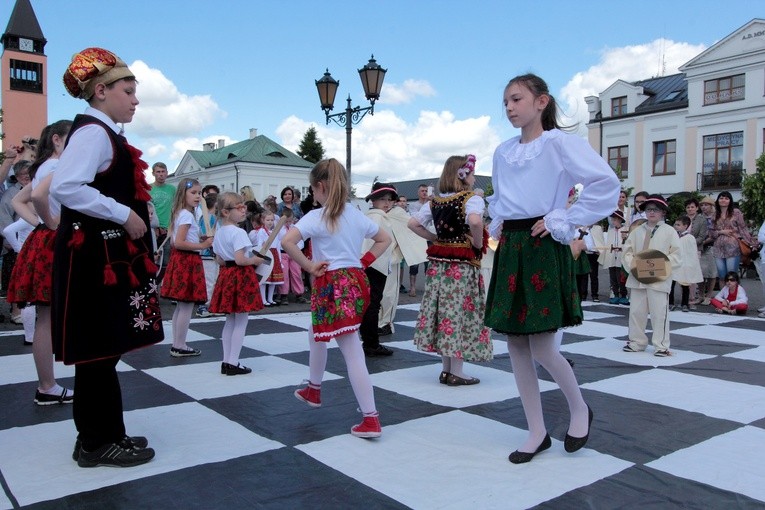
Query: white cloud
pixel 387 146
pixel 401 94
pixel 166 111
pixel 629 63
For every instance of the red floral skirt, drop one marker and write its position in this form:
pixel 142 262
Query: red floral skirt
pixel 338 302
pixel 236 291
pixel 277 273
pixel 32 274
pixel 184 278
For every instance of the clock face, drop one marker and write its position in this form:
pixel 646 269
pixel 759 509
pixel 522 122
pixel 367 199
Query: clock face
pixel 26 44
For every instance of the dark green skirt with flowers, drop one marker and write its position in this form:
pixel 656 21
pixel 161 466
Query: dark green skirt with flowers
pixel 533 286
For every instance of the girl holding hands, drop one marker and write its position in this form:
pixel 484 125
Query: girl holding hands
pixel 533 290
pixel 340 293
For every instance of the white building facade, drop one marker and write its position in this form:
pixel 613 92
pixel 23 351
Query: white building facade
pixel 699 130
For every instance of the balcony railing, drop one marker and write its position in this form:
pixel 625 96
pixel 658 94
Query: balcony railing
pixel 722 180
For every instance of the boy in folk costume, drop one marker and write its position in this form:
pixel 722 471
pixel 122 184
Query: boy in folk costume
pixel 611 258
pixel 406 245
pixel 104 297
pixel 689 271
pixel 651 298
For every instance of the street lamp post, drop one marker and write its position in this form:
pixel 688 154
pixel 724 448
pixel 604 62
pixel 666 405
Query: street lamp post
pixel 372 76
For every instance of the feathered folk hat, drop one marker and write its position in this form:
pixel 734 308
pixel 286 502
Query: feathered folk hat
pixel 90 67
pixel 380 189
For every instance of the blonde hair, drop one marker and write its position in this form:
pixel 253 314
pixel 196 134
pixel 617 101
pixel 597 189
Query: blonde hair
pixel 450 182
pixel 226 201
pixel 247 193
pixel 179 200
pixel 335 179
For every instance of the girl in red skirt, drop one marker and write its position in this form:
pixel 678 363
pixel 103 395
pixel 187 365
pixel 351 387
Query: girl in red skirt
pixel 340 294
pixel 259 236
pixel 31 277
pixel 184 279
pixel 236 291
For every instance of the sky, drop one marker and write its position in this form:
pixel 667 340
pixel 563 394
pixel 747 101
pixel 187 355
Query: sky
pixel 214 70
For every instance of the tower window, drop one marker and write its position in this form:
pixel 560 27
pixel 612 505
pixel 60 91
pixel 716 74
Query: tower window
pixel 26 76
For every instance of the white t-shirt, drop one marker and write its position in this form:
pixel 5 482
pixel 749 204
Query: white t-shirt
pixel 185 217
pixel 228 240
pixel 43 171
pixel 259 236
pixel 342 247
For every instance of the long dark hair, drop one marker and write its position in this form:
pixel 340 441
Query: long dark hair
pixel 45 147
pixel 731 206
pixel 537 86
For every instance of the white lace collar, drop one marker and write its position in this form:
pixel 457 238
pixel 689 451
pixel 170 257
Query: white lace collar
pixel 517 153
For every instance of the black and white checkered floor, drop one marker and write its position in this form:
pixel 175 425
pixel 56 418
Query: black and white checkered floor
pixel 686 431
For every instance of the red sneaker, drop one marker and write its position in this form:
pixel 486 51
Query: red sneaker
pixel 368 428
pixel 309 395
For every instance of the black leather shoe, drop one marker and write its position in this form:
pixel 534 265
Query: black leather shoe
pixel 385 330
pixel 453 380
pixel 522 457
pixel 380 350
pixel 444 377
pixel 572 444
pixel 229 369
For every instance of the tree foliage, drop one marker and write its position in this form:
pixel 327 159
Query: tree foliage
pixel 753 194
pixel 311 148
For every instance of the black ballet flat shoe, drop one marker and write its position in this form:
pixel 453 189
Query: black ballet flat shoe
pixel 572 444
pixel 443 377
pixel 229 369
pixel 523 457
pixel 453 380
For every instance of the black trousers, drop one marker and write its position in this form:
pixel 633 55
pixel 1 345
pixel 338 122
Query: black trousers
pixel 685 294
pixel 97 407
pixel 368 329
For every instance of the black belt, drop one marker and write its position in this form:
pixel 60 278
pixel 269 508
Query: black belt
pixel 519 225
pixel 231 263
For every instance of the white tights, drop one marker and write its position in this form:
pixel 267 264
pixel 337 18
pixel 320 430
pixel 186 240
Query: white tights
pixel 181 321
pixel 543 348
pixel 233 336
pixel 350 347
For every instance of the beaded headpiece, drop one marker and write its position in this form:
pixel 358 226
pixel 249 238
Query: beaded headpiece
pixel 467 169
pixel 91 63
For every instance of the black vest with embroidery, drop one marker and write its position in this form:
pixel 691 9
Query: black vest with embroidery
pixel 105 300
pixel 453 243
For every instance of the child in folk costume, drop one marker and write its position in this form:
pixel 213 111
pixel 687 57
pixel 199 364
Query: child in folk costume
pixel 31 278
pixel 533 288
pixel 405 245
pixel 689 271
pixel 184 279
pixel 104 293
pixel 611 258
pixel 340 293
pixel 293 276
pixel 236 292
pixel 450 322
pixel 594 242
pixel 651 297
pixel 732 298
pixel 259 236
pixel 382 196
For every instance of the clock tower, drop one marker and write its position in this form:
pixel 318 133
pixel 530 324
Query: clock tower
pixel 24 91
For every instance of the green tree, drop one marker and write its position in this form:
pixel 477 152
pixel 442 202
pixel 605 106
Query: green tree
pixel 311 148
pixel 676 204
pixel 753 194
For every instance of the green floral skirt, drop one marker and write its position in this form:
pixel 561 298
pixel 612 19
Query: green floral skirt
pixel 533 286
pixel 451 313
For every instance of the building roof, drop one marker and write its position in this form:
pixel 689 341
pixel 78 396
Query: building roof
pixel 408 189
pixel 665 93
pixel 23 22
pixel 259 149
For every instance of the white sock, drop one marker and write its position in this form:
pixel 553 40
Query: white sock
pixel 28 317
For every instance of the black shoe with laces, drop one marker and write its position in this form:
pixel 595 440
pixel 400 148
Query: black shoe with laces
pixel 115 455
pixel 137 442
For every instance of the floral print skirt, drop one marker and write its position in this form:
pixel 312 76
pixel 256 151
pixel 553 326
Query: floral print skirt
pixel 184 278
pixel 31 278
pixel 236 290
pixel 339 299
pixel 451 313
pixel 533 287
